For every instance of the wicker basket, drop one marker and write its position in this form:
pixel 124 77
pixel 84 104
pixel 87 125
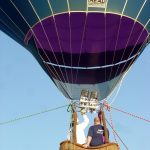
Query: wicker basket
pixel 67 145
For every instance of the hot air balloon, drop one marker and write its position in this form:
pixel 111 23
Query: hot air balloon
pixel 81 44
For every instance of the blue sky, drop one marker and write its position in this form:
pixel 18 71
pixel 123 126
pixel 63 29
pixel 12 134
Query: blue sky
pixel 26 89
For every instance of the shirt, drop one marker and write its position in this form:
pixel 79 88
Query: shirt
pixel 97 133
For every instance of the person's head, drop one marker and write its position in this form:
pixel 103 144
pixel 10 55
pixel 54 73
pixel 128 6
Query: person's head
pixel 96 121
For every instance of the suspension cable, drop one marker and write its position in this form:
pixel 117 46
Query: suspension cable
pixel 117 135
pixel 31 115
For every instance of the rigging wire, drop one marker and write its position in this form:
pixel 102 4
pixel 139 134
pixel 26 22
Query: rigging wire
pixel 46 35
pixel 70 44
pixel 111 122
pixel 31 115
pixel 108 107
pixel 11 22
pixel 82 43
pixel 130 114
pixel 112 126
pixel 117 92
pixel 128 41
pixel 121 80
pixel 59 43
pixel 117 135
pixel 116 42
pixel 49 69
pixel 129 38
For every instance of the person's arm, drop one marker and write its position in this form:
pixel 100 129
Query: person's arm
pixel 89 139
pixel 69 134
pixel 104 140
pixel 85 121
pixel 107 132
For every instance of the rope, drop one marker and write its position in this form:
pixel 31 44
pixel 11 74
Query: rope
pixel 130 114
pixel 117 135
pixel 118 90
pixel 29 116
pixel 108 107
pixel 111 122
